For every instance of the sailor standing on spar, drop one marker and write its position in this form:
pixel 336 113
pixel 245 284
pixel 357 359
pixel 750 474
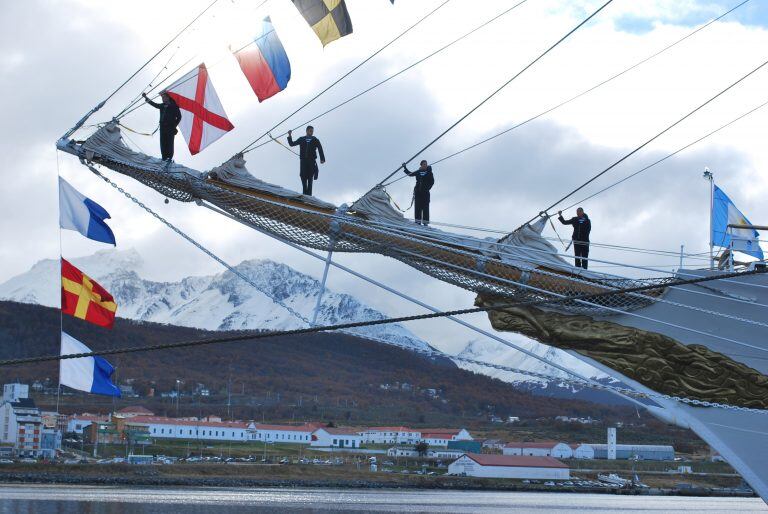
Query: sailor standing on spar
pixel 170 116
pixel 582 226
pixel 309 146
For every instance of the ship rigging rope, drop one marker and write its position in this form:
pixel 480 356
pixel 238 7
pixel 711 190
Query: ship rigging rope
pixel 590 304
pixel 630 249
pixel 561 298
pixel 178 34
pixel 585 382
pixel 296 314
pixel 426 235
pixel 137 102
pixel 326 328
pixel 424 239
pixel 400 72
pixel 583 93
pixel 344 76
pixel 292 311
pixel 649 141
pixel 500 88
pixel 620 181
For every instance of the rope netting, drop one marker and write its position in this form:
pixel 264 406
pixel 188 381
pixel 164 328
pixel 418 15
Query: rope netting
pixel 326 228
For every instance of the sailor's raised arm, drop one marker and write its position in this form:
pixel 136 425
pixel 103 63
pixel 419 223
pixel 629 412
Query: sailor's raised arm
pixel 150 102
pixel 291 142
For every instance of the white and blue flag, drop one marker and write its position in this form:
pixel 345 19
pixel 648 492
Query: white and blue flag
pixel 80 213
pixel 89 374
pixel 725 213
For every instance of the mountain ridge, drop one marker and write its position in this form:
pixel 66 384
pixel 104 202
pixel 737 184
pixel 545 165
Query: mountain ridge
pixel 312 376
pixel 222 301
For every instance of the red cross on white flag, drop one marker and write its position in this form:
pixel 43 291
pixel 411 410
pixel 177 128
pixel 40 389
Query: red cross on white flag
pixel 203 119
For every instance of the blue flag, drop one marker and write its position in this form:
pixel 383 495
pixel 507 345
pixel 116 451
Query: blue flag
pixel 77 212
pixel 89 374
pixel 725 213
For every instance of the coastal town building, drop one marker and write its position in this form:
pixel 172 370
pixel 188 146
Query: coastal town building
pixel 631 451
pixel 157 427
pixel 494 444
pixel 76 423
pixel 431 453
pixel 583 451
pixel 289 434
pixel 441 436
pixel 22 431
pixel 509 466
pixel 336 438
pixel 14 392
pixel 404 435
pixel 134 410
pixel 390 435
pixel 21 426
pixel 540 449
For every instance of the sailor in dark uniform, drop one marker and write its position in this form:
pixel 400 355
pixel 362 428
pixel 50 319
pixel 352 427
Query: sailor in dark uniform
pixel 424 182
pixel 309 147
pixel 581 229
pixel 170 116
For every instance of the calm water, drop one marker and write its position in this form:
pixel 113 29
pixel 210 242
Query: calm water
pixel 38 499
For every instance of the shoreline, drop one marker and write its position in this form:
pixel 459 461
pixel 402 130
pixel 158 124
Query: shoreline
pixel 466 484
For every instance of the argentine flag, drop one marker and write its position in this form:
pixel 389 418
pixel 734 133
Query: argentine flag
pixel 89 374
pixel 77 212
pixel 725 213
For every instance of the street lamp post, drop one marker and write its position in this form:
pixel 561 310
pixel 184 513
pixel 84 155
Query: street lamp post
pixel 177 396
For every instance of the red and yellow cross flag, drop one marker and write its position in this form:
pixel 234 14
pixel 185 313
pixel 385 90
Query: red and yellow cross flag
pixel 83 298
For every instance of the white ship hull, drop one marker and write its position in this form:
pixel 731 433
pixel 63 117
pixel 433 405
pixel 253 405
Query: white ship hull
pixel 741 437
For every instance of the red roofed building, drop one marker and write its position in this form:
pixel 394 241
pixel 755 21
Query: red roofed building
pixel 509 466
pixel 441 436
pixel 77 422
pixel 136 410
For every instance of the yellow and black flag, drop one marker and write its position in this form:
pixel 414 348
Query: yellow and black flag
pixel 328 18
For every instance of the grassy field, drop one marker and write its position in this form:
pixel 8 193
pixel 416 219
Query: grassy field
pixel 294 475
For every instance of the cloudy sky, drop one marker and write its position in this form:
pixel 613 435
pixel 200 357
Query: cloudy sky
pixel 60 58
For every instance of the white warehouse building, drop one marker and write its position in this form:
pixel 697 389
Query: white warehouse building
pixel 545 449
pixel 293 434
pixel 337 438
pixel 509 466
pixel 168 428
pixel 629 451
pixel 441 436
pixel 584 451
pixel 391 435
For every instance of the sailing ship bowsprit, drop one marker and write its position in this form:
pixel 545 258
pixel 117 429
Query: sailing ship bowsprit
pixel 693 344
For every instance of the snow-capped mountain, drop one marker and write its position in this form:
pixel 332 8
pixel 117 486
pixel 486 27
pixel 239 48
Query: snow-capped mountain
pixel 216 302
pixel 492 351
pixel 225 302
